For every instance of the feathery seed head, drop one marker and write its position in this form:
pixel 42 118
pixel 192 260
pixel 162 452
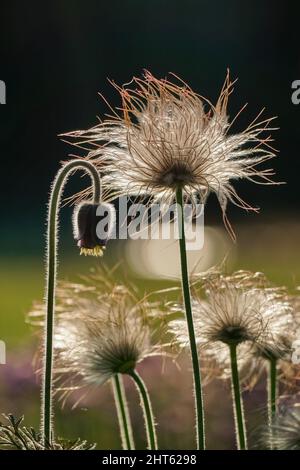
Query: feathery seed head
pixel 100 334
pixel 285 432
pixel 277 342
pixel 239 310
pixel 280 329
pixel 169 137
pixel 230 312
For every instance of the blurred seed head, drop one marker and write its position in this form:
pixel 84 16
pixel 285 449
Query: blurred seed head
pixel 276 344
pixel 101 330
pixel 285 432
pixel 279 333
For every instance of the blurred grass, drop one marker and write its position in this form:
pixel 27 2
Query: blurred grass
pixel 272 248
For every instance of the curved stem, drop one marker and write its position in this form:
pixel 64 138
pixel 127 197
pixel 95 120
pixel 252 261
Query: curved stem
pixel 190 324
pixel 123 413
pixel 240 427
pixel 272 392
pixel 54 204
pixel 147 410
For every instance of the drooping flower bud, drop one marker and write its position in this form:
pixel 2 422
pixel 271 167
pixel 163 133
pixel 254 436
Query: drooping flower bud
pixel 93 225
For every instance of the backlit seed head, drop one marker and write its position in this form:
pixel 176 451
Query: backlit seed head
pixel 168 137
pixel 277 342
pixel 100 332
pixel 229 313
pixel 285 431
pixel 242 310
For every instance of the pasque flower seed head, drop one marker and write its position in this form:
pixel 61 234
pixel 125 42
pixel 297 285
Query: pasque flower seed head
pixel 169 137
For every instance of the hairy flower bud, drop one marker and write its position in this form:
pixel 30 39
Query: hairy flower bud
pixel 93 225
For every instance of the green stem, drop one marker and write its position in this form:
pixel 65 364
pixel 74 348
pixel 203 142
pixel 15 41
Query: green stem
pixel 123 413
pixel 272 392
pixel 54 204
pixel 189 318
pixel 237 401
pixel 147 410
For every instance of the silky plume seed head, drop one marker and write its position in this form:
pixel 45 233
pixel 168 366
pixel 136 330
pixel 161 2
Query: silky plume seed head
pixel 284 433
pixel 100 333
pixel 240 310
pixel 281 330
pixel 93 225
pixel 277 342
pixel 169 137
pixel 228 313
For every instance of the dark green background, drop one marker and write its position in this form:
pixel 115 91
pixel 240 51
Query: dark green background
pixel 55 57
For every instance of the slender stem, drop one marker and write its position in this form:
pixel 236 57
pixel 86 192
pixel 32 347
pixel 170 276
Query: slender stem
pixel 189 318
pixel 240 427
pixel 272 392
pixel 147 410
pixel 51 266
pixel 123 413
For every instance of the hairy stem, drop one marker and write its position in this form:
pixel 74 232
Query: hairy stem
pixel 272 392
pixel 123 413
pixel 51 273
pixel 147 410
pixel 200 427
pixel 240 427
